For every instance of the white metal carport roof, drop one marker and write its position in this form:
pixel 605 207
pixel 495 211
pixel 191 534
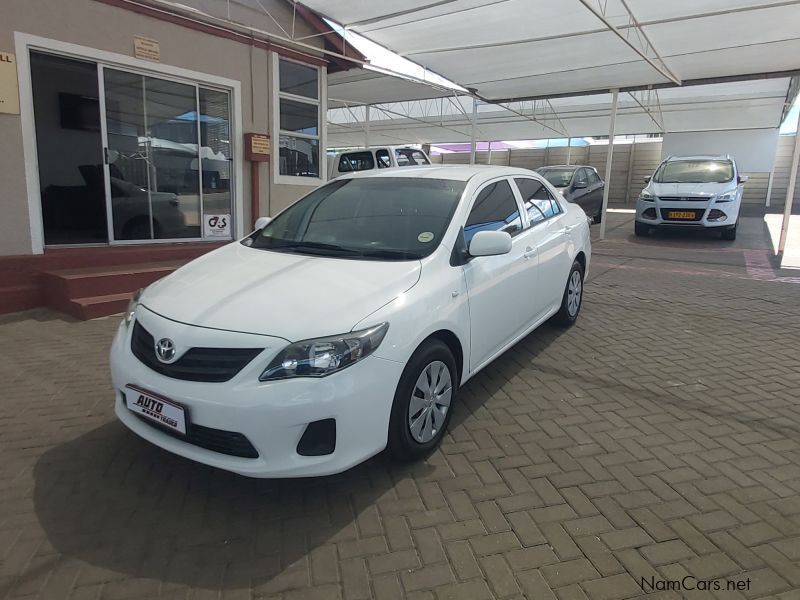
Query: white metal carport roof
pixel 518 49
pixel 736 105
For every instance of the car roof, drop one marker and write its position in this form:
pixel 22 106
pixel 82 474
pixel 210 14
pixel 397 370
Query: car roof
pixel 454 172
pixel 700 157
pixel 564 167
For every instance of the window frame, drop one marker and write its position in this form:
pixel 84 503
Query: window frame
pixel 514 192
pixel 528 224
pixel 320 102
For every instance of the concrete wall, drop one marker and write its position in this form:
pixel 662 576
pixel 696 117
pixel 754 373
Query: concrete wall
pixel 100 26
pixel 627 175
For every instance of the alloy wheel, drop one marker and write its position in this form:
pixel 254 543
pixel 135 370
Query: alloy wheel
pixel 574 291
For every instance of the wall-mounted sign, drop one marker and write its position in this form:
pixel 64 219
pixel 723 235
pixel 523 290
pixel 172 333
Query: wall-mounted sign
pixel 146 48
pixel 257 147
pixel 9 88
pixel 217 226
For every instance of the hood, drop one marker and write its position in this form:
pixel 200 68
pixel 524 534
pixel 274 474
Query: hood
pixel 690 189
pixel 292 296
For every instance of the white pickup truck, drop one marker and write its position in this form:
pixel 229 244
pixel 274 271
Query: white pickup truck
pixel 376 157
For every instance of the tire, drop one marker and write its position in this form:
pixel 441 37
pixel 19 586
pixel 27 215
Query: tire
pixel 729 233
pixel 432 358
pixel 570 304
pixel 640 229
pixel 598 218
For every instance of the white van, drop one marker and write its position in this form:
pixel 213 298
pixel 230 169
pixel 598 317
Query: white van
pixel 377 157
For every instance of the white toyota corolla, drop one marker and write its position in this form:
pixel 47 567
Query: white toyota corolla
pixel 346 324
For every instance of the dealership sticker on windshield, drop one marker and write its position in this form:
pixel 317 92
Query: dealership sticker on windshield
pixel 156 409
pixel 425 236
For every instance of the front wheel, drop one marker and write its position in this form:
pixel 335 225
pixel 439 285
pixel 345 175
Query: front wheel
pixel 640 229
pixel 423 401
pixel 729 233
pixel 573 297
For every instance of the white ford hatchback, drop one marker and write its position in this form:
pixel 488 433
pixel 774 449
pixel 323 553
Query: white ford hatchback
pixel 348 322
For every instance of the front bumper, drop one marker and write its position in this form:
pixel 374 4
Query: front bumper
pixel 272 415
pixel 656 213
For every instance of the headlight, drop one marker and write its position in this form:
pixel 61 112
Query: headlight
pixel 646 196
pixel 129 312
pixel 727 196
pixel 322 356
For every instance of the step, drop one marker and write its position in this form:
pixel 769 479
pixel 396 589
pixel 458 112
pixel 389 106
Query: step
pixel 101 281
pixel 14 298
pixel 93 307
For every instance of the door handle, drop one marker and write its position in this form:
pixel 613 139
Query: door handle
pixel 568 228
pixel 529 252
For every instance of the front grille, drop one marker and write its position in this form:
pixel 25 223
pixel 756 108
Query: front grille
pixel 683 198
pixel 231 443
pixel 697 212
pixel 211 365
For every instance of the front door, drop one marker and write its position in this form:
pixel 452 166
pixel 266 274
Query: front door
pixel 501 288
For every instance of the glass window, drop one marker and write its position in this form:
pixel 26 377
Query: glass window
pixel 299 80
pixel 298 119
pixel 298 156
pixel 216 158
pixel 495 209
pixel 538 202
pixel 558 177
pixel 383 158
pixel 409 156
pixel 694 171
pixel 582 176
pixel 356 161
pixel 594 178
pixel 386 218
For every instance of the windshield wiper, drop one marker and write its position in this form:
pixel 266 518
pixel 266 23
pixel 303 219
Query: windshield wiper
pixel 391 254
pixel 317 248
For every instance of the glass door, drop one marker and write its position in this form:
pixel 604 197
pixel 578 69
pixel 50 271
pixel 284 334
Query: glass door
pixel 166 143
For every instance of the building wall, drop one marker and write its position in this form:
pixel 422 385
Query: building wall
pixel 627 174
pixel 109 28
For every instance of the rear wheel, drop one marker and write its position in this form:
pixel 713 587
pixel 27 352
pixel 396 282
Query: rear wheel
pixel 573 297
pixel 640 229
pixel 423 401
pixel 729 233
pixel 598 218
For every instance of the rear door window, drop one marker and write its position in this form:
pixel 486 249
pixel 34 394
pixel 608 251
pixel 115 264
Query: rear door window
pixel 537 200
pixel 409 157
pixel 383 158
pixel 495 209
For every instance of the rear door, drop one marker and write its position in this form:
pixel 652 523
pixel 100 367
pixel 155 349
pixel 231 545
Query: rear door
pixel 581 193
pixel 549 234
pixel 597 186
pixel 501 288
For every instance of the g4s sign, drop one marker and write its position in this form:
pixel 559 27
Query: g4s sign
pixel 217 226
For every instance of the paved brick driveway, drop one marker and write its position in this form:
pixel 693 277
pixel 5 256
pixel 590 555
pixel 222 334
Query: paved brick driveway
pixel 658 438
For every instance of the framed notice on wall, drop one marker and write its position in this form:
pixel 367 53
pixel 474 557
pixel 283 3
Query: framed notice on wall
pixel 9 88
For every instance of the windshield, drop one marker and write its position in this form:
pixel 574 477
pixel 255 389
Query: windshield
pixel 694 171
pixel 386 218
pixel 557 177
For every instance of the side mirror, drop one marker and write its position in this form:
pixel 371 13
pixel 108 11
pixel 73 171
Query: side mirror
pixel 647 179
pixel 579 185
pixel 490 243
pixel 743 178
pixel 262 222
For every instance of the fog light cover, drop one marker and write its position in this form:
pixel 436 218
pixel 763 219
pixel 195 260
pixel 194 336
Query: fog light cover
pixel 319 438
pixel 649 213
pixel 717 215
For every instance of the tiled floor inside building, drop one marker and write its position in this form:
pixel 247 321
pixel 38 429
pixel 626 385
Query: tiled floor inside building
pixel 653 446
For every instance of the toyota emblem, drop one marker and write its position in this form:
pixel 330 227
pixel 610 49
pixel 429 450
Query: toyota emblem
pixel 165 350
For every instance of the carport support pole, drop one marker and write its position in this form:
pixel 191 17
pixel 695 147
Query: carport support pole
pixel 609 154
pixel 366 127
pixel 569 149
pixel 472 131
pixel 787 209
pixel 769 185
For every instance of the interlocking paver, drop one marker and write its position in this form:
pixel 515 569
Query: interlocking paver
pixel 656 438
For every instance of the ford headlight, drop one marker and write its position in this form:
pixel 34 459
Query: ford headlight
pixel 727 196
pixel 132 305
pixel 322 356
pixel 646 196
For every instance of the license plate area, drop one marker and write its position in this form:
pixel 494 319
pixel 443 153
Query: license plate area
pixel 156 409
pixel 682 215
